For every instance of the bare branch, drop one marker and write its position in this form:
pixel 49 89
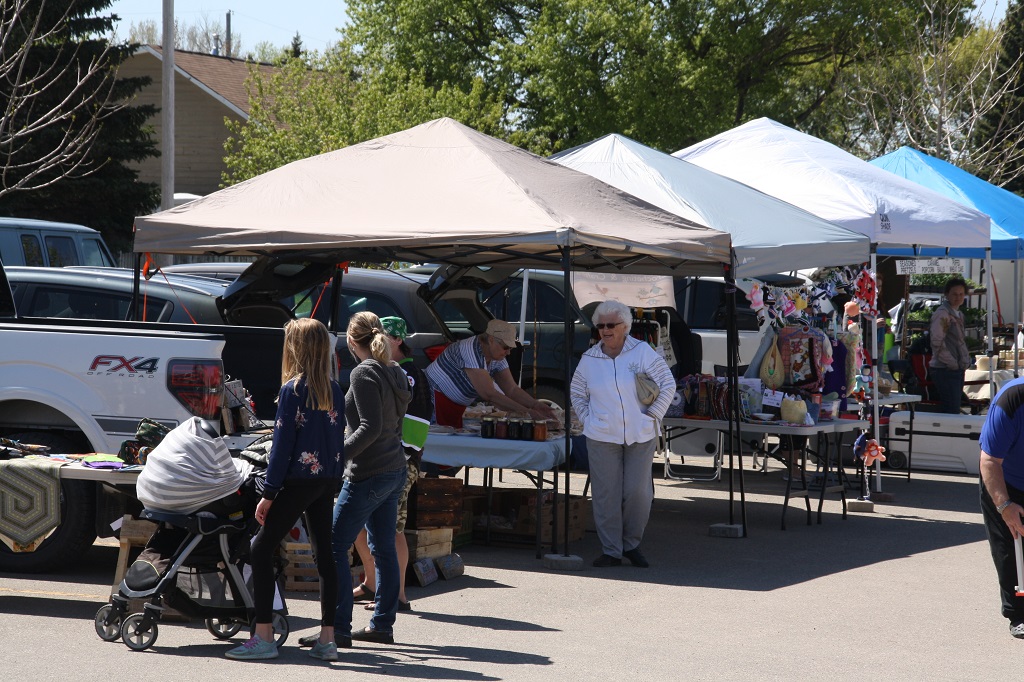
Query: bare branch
pixel 935 96
pixel 53 108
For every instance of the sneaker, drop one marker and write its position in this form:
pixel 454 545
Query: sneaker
pixel 341 641
pixel 253 650
pixel 1017 629
pixel 325 652
pixel 637 558
pixel 606 560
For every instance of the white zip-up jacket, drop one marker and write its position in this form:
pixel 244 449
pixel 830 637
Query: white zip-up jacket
pixel 603 393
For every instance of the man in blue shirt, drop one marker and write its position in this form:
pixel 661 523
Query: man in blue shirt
pixel 1002 493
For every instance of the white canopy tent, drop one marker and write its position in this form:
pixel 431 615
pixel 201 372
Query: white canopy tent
pixel 437 192
pixel 768 234
pixel 834 184
pixel 837 186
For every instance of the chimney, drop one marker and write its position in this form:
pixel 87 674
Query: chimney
pixel 216 45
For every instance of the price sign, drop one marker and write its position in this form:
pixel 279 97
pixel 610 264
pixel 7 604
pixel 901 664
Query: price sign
pixel 930 266
pixel 772 398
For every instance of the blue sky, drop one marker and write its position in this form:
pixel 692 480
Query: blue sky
pixel 254 20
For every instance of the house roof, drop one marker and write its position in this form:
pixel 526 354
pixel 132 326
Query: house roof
pixel 222 77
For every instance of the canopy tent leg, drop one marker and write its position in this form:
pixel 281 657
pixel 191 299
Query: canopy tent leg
pixel 876 430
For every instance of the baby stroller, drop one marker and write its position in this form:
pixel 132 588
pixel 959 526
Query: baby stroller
pixel 195 564
pixel 204 505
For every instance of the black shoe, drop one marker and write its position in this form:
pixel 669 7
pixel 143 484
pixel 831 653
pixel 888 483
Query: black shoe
pixel 343 641
pixel 606 560
pixel 1017 629
pixel 637 558
pixel 370 635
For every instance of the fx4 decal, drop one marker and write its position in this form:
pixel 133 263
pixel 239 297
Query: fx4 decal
pixel 116 364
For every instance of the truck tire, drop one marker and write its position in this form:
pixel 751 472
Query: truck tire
pixel 76 532
pixel 545 392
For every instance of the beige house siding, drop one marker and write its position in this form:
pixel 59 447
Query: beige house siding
pixel 200 128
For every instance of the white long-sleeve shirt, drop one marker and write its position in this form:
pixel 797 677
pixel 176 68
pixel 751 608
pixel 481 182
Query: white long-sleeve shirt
pixel 603 393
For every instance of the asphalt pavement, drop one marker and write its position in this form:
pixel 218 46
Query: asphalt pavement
pixel 905 592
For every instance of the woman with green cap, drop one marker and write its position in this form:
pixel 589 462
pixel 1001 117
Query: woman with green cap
pixel 417 418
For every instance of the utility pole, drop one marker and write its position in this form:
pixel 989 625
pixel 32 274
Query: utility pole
pixel 227 38
pixel 167 110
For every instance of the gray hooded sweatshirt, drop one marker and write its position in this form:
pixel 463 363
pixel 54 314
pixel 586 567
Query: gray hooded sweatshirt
pixel 375 405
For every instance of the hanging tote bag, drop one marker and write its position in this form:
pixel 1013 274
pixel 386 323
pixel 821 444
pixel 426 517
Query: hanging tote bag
pixel 772 373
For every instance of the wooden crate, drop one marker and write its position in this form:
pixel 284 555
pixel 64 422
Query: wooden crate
pixel 579 517
pixel 429 543
pixel 435 503
pixel 300 575
pixel 428 536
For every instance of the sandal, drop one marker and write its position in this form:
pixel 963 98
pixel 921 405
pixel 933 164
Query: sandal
pixel 363 593
pixel 402 606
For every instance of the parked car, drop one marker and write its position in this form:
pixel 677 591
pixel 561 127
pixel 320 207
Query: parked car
pixel 106 294
pixel 24 241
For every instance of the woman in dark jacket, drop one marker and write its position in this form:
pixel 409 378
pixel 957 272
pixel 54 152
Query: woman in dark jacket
pixel 375 406
pixel 303 473
pixel 420 409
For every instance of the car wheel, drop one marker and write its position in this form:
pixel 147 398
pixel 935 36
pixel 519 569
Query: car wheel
pixel 550 393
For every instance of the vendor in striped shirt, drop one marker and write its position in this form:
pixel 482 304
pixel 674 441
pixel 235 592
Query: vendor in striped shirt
pixel 477 369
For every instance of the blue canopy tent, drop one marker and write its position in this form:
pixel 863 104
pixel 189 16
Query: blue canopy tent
pixel 1005 208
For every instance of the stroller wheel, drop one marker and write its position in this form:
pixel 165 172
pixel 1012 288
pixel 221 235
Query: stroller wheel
pixel 280 624
pixel 108 633
pixel 223 628
pixel 134 636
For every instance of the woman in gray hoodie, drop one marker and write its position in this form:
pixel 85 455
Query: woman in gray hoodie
pixel 375 474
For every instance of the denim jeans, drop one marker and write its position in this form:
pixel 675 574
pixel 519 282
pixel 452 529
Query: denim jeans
pixel 373 503
pixel 949 383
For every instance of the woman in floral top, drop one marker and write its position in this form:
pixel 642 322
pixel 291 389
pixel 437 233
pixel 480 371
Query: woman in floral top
pixel 303 475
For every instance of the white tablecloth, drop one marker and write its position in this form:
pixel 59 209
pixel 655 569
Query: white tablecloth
pixel 981 391
pixel 474 451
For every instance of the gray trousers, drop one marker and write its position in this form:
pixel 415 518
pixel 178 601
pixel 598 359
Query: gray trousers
pixel 622 487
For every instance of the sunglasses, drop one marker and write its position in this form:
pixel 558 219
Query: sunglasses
pixel 607 325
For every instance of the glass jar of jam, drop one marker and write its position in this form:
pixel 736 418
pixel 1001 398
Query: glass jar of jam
pixel 526 429
pixel 540 430
pixel 487 427
pixel 501 429
pixel 513 428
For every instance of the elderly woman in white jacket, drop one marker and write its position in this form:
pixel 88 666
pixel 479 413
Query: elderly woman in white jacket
pixel 621 432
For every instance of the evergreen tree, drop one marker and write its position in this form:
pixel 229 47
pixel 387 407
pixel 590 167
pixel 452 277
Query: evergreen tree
pixel 87 183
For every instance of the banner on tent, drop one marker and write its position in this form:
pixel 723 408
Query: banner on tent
pixel 930 266
pixel 640 291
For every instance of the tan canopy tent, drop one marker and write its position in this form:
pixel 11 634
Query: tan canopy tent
pixel 438 192
pixel 441 192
